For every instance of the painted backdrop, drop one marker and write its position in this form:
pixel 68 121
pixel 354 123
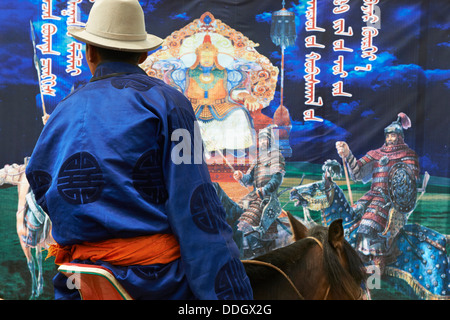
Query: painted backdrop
pixel 349 69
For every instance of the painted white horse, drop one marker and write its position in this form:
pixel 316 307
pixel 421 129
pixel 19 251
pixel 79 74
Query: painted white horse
pixel 32 223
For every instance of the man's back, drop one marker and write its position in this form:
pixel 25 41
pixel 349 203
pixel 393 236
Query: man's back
pixel 105 155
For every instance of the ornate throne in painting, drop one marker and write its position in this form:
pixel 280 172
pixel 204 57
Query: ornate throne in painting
pixel 248 78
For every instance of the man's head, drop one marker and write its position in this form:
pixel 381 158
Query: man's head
pixel 117 25
pixel 267 138
pixel 394 132
pixel 391 139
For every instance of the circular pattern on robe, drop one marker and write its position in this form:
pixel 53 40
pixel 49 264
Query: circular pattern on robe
pixel 230 282
pixel 80 179
pixel 207 212
pixel 148 178
pixel 40 181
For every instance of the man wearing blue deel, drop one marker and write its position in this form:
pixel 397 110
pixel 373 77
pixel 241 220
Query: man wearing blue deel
pixel 102 170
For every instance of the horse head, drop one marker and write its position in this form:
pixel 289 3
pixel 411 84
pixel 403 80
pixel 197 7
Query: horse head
pixel 318 195
pixel 326 196
pixel 314 196
pixel 320 264
pixel 342 265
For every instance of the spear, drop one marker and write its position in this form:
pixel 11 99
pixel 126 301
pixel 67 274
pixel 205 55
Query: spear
pixel 37 65
pixel 229 165
pixel 344 163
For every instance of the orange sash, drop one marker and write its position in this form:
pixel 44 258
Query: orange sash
pixel 143 250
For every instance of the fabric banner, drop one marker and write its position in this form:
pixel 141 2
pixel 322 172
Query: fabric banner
pixel 319 71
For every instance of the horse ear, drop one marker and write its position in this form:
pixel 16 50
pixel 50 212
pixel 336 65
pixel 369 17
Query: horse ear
pixel 336 234
pixel 299 231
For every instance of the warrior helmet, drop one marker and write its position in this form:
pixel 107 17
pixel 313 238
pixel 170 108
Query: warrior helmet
pixel 268 133
pixel 332 169
pixel 402 123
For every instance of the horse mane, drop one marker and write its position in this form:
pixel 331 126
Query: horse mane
pixel 342 282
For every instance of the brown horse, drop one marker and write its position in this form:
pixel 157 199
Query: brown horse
pixel 319 265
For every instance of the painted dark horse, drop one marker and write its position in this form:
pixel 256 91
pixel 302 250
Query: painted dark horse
pixel 318 265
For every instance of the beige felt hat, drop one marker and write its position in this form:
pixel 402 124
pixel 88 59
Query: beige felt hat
pixel 117 25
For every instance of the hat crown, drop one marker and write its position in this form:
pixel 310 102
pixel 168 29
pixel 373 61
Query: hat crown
pixel 116 25
pixel 117 19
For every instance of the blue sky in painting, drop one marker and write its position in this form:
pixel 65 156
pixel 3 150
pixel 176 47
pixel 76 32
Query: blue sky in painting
pixel 411 72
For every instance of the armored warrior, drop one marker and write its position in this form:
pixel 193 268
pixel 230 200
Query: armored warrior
pixel 254 215
pixel 394 170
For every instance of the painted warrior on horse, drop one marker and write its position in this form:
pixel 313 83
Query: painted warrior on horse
pixel 253 218
pixel 414 255
pixel 376 225
pixel 394 170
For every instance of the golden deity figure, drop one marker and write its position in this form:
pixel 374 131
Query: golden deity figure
pixel 226 79
pixel 223 115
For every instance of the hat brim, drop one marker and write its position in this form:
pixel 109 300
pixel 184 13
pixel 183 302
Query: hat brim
pixel 152 42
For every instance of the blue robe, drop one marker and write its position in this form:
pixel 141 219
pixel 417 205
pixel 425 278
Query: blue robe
pixel 105 166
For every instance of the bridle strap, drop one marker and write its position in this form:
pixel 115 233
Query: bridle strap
pixel 262 263
pixel 267 264
pixel 317 241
